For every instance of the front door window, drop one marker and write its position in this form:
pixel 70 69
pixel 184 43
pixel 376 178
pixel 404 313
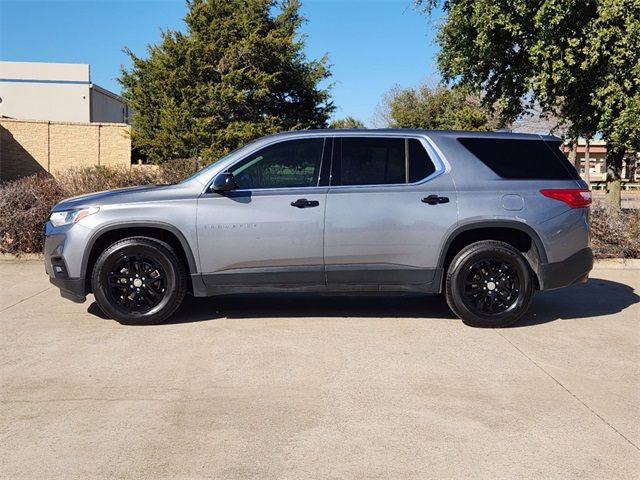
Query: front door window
pixel 289 164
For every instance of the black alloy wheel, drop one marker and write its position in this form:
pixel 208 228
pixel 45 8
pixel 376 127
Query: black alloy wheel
pixel 489 284
pixel 490 287
pixel 139 281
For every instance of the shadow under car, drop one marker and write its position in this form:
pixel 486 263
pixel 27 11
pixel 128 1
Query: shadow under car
pixel 597 297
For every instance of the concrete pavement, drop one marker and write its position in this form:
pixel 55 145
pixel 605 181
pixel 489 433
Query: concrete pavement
pixel 302 386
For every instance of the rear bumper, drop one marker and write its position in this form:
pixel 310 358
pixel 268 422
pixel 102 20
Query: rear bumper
pixel 574 269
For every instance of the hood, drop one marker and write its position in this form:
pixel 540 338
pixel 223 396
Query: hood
pixel 120 195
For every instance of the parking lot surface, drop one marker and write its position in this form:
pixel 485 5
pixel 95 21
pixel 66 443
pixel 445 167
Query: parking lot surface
pixel 304 386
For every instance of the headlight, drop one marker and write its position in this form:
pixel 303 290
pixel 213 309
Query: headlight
pixel 67 217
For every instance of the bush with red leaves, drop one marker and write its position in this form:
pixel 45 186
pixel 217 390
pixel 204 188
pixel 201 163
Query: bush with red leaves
pixel 25 205
pixel 615 232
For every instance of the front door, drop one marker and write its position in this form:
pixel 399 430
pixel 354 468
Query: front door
pixel 388 208
pixel 268 231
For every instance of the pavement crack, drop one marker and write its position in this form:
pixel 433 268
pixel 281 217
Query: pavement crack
pixel 25 299
pixel 567 390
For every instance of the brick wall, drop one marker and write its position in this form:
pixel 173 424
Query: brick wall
pixel 30 146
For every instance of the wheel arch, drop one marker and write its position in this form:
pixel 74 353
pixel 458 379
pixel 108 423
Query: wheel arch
pixel 108 234
pixel 518 234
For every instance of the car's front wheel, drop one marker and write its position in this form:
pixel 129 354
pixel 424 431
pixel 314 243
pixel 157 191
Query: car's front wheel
pixel 139 281
pixel 489 284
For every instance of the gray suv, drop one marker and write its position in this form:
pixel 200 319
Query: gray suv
pixel 483 218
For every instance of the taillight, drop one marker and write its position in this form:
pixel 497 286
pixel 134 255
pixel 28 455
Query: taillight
pixel 574 197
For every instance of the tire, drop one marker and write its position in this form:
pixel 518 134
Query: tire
pixel 489 284
pixel 139 281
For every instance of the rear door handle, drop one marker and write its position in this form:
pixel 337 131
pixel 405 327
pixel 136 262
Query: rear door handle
pixel 435 199
pixel 304 203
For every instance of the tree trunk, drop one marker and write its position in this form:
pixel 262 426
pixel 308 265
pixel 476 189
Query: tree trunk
pixel 573 154
pixel 587 164
pixel 631 162
pixel 614 174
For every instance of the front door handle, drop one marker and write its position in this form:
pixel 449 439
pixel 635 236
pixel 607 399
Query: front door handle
pixel 435 199
pixel 304 203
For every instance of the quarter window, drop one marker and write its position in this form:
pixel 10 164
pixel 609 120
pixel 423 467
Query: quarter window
pixel 420 165
pixel 289 164
pixel 518 159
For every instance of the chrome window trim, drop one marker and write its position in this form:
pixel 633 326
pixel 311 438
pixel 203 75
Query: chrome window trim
pixel 439 165
pixel 431 148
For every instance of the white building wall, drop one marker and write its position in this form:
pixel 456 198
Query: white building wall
pixel 45 91
pixel 33 101
pixel 66 72
pixel 55 91
pixel 107 107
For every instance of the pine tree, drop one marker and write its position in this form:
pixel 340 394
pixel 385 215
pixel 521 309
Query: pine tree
pixel 237 73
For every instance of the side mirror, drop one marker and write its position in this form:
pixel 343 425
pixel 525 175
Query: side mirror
pixel 224 182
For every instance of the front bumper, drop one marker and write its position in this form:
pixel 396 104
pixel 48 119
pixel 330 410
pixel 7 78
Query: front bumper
pixel 57 249
pixel 574 269
pixel 71 288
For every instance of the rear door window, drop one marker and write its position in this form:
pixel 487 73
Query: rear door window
pixel 371 161
pixel 379 161
pixel 519 159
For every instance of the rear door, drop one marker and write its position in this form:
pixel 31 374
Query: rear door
pixel 390 202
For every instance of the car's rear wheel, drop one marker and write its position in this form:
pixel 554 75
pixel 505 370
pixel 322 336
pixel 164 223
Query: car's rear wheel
pixel 139 281
pixel 489 284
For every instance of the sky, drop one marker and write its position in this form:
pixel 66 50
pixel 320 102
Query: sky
pixel 372 44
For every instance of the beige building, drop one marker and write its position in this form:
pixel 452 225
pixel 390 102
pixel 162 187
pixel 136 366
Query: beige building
pixel 56 92
pixel 37 146
pixel 53 118
pixel 598 164
pixel 597 157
